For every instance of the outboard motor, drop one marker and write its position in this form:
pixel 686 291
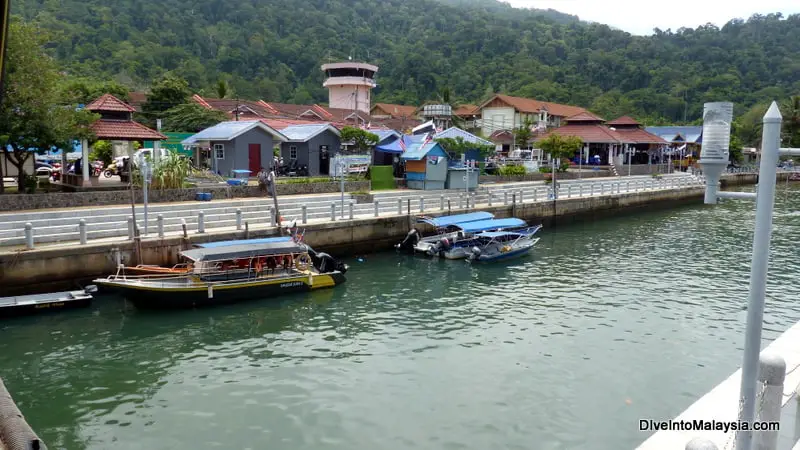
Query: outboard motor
pixel 440 247
pixel 411 240
pixel 326 263
pixel 476 252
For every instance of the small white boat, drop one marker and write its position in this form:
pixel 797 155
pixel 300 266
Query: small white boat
pixel 500 245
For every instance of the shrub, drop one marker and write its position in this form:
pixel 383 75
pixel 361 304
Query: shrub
pixel 511 170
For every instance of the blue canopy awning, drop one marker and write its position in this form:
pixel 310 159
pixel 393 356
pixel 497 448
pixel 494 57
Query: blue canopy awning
pixel 245 242
pixel 490 225
pixel 394 146
pixel 445 221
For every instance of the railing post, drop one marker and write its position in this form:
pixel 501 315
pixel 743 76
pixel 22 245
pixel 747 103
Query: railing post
pixel 602 188
pixel 441 202
pixel 490 198
pixel 130 228
pixel 201 222
pixel 333 212
pixel 421 204
pixel 82 231
pixel 273 219
pixel 377 208
pixel 186 228
pixel 351 211
pixel 701 444
pixel 238 218
pixel 580 190
pixel 160 222
pixel 521 198
pixel 29 236
pixel 569 191
pixel 400 206
pixel 460 201
pixel 505 198
pixel 772 373
pixel 304 210
pixel 627 186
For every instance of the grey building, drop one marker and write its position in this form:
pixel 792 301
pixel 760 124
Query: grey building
pixel 311 145
pixel 235 145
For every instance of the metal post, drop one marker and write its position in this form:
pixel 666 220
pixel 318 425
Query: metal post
pixel 160 221
pixel 448 207
pixel 351 210
pixel 304 210
pixel 490 198
pixel 130 228
pixel 580 190
pixel 399 206
pixel 82 231
pixel 408 206
pixel 505 198
pixel 29 236
pixel 701 444
pixel 441 203
pixel 273 217
pixel 421 204
pixel 521 199
pixel 770 143
pixel 377 209
pixel 246 230
pixel 238 218
pixel 602 188
pixel 146 178
pixel 772 373
pixel 342 167
pixel 201 222
pixel 460 201
pixel 628 186
pixel 333 212
pixel 569 191
pixel 186 229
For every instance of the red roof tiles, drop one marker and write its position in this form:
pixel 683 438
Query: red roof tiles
pixel 466 110
pixel 584 116
pixel 108 102
pixel 126 130
pixel 623 121
pixel 388 109
pixel 638 136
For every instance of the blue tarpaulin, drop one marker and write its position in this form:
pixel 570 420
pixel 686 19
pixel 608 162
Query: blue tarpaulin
pixel 394 146
pixel 456 219
pixel 489 225
pixel 245 242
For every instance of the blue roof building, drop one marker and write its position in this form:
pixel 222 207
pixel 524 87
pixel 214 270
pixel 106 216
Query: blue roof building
pixel 426 166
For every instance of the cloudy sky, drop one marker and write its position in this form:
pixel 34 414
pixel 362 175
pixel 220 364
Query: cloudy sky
pixel 640 17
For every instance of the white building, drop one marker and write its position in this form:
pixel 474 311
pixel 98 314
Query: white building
pixel 350 85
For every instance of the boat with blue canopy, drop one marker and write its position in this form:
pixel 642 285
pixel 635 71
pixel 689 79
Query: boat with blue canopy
pixel 489 246
pixel 446 221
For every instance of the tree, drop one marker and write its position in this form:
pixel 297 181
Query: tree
pixel 560 146
pixel 168 92
pixel 82 91
pixel 191 117
pixel 102 150
pixel 458 146
pixel 523 134
pixel 32 117
pixel 222 89
pixel 362 140
pixel 791 122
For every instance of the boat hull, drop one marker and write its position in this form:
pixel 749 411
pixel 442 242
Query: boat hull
pixel 153 296
pixel 27 308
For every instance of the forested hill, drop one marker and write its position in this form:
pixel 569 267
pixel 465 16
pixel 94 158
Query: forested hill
pixel 272 50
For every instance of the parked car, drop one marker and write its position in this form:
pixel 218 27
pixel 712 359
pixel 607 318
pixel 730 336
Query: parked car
pixel 143 153
pixel 43 169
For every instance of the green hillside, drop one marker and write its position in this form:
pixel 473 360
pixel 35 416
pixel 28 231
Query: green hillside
pixel 272 50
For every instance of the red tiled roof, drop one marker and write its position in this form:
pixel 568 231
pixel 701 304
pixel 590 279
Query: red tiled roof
pixel 528 105
pixel 126 130
pixel 584 116
pixel 589 133
pixel 401 124
pixel 280 124
pixel 638 136
pixel 466 110
pixel 502 136
pixel 396 110
pixel 108 102
pixel 623 121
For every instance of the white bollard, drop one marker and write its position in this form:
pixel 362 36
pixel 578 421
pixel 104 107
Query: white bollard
pixel 772 373
pixel 460 201
pixel 400 206
pixel 82 231
pixel 130 228
pixel 160 222
pixel 201 222
pixel 273 217
pixel 304 209
pixel 333 212
pixel 238 218
pixel 441 203
pixel 351 211
pixel 422 204
pixel 377 208
pixel 29 236
pixel 505 198
pixel 490 198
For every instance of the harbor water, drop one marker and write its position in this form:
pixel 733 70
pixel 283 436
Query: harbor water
pixel 609 322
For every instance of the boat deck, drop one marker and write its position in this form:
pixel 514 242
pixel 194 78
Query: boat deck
pixel 55 297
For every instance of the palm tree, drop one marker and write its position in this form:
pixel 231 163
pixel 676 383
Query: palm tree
pixel 791 122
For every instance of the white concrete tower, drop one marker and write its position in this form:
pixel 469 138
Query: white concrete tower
pixel 349 85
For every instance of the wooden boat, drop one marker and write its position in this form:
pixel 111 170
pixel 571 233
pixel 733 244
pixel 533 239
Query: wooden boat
pixel 40 303
pixel 229 273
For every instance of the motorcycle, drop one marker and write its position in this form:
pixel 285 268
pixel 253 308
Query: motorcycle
pixel 97 168
pixel 293 169
pixel 111 170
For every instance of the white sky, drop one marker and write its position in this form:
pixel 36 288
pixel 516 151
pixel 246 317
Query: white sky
pixel 640 17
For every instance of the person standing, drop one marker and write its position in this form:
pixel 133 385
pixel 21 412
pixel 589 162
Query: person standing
pixel 262 180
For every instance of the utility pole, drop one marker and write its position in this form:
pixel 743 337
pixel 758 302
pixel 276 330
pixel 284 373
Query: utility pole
pixel 4 20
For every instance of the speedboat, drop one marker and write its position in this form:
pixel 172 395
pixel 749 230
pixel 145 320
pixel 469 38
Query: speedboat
pixel 447 227
pixel 38 303
pixel 228 273
pixel 499 245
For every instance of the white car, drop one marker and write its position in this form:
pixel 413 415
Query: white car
pixel 140 154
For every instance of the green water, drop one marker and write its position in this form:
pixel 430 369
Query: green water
pixel 609 322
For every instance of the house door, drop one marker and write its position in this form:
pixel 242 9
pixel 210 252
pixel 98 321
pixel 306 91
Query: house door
pixel 324 160
pixel 254 151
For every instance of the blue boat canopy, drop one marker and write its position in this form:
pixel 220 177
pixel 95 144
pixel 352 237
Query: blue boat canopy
pixel 245 242
pixel 487 225
pixel 495 234
pixel 446 221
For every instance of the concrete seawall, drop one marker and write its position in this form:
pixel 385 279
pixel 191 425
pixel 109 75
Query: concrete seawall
pixel 61 267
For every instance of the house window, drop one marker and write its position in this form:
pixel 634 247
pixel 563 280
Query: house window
pixel 293 152
pixel 219 151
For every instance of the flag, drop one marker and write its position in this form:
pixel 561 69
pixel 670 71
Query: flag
pixel 402 144
pixel 428 138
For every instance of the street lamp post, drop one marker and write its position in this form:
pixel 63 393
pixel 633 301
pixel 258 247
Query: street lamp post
pixel 147 177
